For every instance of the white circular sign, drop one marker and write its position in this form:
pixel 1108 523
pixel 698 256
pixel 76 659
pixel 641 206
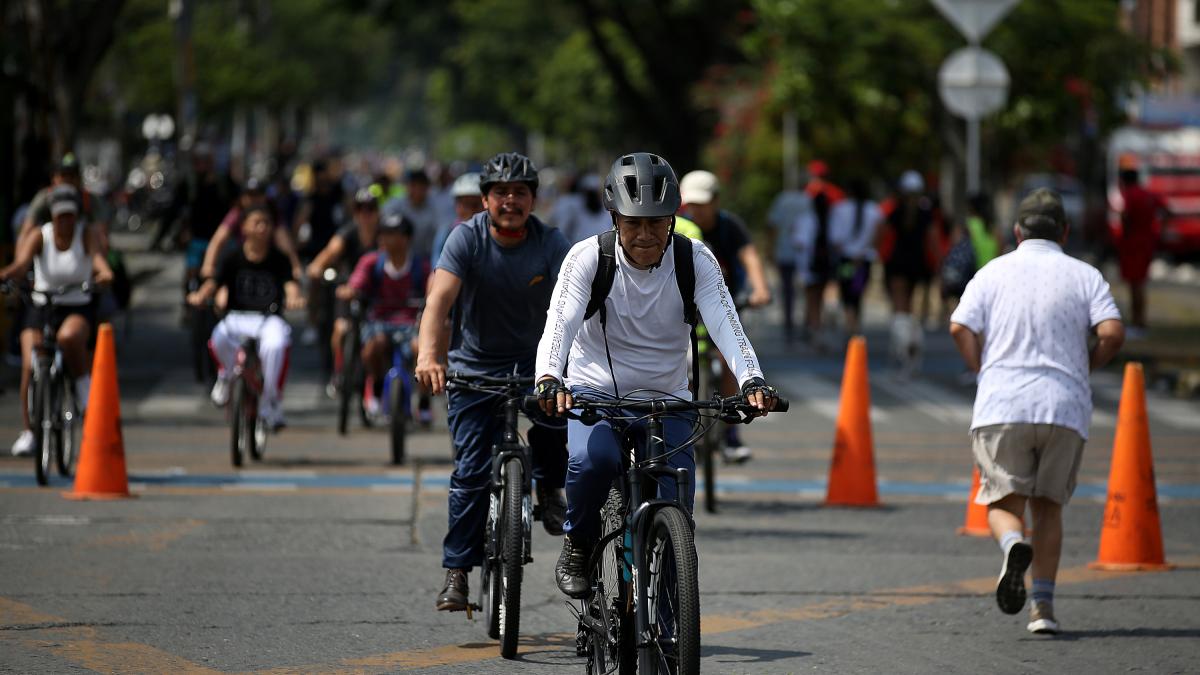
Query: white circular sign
pixel 973 83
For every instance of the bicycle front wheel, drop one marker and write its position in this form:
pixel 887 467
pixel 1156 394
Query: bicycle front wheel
pixel 512 557
pixel 672 597
pixel 69 428
pixel 39 422
pixel 400 408
pixel 350 384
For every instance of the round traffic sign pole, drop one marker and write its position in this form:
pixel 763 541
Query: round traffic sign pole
pixel 973 83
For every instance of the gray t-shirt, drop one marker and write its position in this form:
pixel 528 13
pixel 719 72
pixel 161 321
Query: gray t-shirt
pixel 501 309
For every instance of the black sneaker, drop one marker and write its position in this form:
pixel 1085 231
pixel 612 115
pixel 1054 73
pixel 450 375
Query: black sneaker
pixel 1010 588
pixel 552 510
pixel 453 597
pixel 571 570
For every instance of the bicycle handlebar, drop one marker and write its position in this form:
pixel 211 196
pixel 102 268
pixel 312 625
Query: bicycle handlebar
pixel 732 409
pixel 9 286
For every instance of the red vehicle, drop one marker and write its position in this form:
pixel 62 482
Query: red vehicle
pixel 1169 162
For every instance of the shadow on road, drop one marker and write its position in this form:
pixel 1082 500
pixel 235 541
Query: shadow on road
pixel 744 533
pixel 1070 636
pixel 749 654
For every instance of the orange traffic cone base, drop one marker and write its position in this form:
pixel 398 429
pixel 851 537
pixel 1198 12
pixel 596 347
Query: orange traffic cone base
pixel 97 496
pixel 1130 567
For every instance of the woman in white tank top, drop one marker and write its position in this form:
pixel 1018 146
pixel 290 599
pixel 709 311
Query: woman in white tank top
pixel 64 253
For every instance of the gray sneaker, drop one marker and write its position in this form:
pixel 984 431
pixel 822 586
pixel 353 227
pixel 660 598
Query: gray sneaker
pixel 1010 589
pixel 1041 619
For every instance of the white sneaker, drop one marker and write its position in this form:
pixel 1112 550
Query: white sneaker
pixel 272 414
pixel 373 407
pixel 738 454
pixel 220 392
pixel 24 445
pixel 83 387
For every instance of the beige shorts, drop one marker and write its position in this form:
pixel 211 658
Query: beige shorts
pixel 1034 460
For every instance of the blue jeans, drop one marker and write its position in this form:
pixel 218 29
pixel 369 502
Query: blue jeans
pixel 476 424
pixel 594 461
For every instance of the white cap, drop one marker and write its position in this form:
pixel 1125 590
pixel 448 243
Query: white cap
pixel 466 185
pixel 698 187
pixel 911 182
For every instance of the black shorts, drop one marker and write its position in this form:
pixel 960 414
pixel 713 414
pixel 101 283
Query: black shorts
pixel 35 315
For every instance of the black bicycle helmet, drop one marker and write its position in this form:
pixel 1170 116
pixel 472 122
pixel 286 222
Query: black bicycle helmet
pixel 508 167
pixel 642 185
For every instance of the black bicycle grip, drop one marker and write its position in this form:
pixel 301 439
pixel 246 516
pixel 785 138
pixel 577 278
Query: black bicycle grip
pixel 781 405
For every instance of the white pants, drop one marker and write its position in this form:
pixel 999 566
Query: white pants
pixel 274 339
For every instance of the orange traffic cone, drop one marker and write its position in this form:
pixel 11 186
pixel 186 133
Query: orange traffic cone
pixel 852 473
pixel 101 471
pixel 976 524
pixel 1131 537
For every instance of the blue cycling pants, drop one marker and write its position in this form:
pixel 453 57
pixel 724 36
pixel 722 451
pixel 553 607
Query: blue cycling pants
pixel 594 461
pixel 477 424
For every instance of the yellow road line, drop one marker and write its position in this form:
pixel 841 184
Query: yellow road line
pixel 83 646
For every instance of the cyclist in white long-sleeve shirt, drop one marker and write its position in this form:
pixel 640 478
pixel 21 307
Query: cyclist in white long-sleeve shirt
pixel 637 340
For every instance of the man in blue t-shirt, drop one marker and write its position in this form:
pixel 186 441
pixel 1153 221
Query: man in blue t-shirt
pixel 496 272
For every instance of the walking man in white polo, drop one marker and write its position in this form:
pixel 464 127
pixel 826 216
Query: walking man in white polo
pixel 1033 323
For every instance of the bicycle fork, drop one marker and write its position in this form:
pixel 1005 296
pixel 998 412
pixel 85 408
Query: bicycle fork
pixel 638 531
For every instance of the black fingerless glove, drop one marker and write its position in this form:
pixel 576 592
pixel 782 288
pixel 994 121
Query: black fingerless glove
pixel 548 389
pixel 756 385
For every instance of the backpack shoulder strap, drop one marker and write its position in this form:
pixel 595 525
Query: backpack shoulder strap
pixel 685 276
pixel 606 271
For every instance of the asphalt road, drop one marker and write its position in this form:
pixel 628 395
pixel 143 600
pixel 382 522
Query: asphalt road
pixel 325 559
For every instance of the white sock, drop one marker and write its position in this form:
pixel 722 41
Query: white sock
pixel 1009 538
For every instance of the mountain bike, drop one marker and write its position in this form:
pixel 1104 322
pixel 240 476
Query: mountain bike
pixel 248 430
pixel 508 533
pixel 54 415
pixel 643 614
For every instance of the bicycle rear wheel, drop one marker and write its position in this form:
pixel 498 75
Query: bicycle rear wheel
pixel 39 423
pixel 613 595
pixel 512 558
pixel 237 435
pixel 489 584
pixel 672 596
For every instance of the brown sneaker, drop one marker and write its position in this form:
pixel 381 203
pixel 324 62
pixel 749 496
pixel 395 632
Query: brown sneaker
pixel 1041 619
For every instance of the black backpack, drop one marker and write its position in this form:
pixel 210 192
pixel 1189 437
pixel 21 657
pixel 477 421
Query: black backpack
pixel 685 277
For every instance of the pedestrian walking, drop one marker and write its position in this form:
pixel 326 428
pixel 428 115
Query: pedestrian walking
pixel 854 223
pixel 1141 225
pixel 782 217
pixel 1024 325
pixel 911 248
